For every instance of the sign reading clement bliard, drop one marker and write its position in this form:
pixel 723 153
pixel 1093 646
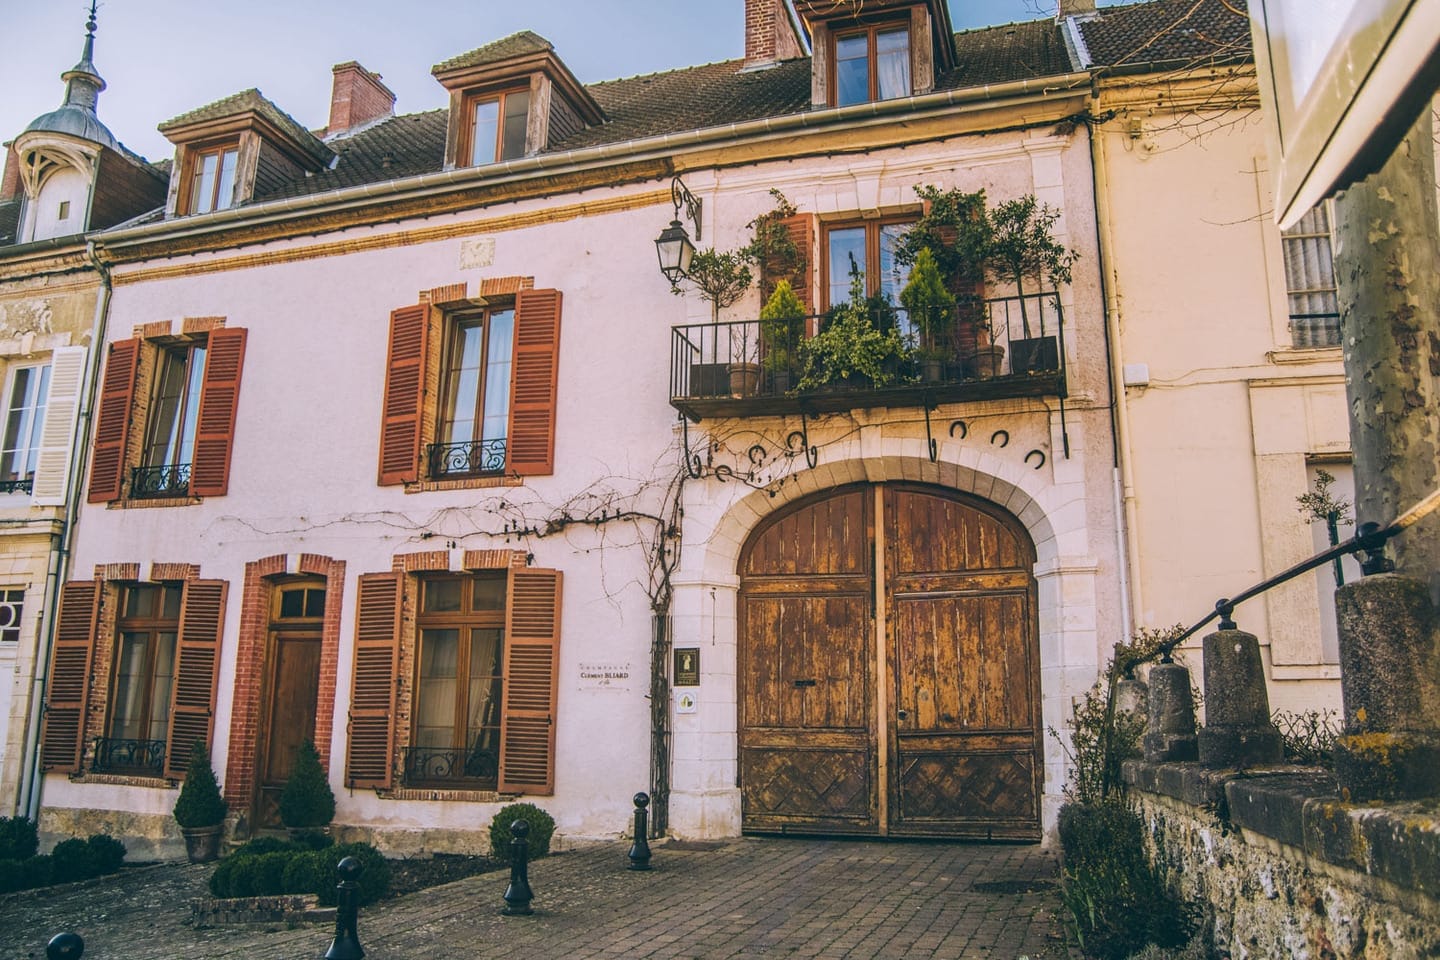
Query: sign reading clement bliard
pixel 604 676
pixel 687 666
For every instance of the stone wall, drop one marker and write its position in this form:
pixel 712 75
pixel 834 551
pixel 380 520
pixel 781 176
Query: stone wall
pixel 1284 869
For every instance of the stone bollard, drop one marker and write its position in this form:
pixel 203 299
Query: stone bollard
pixel 1390 682
pixel 518 894
pixel 1238 731
pixel 1170 728
pixel 346 945
pixel 65 946
pixel 640 849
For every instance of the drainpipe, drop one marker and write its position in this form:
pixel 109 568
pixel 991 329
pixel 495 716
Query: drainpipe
pixel 33 777
pixel 1127 533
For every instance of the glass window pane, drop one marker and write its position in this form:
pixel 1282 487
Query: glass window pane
pixel 847 254
pixel 894 274
pixel 225 192
pixel 488 594
pixel 441 596
pixel 129 687
pixel 204 189
pixel 191 404
pixel 292 602
pixel 852 70
pixel 892 63
pixel 517 113
pixel 497 375
pixel 487 120
pixel 170 608
pixel 160 688
pixel 463 393
pixel 140 601
pixel 315 602
pixel 165 412
pixel 436 689
pixel 483 721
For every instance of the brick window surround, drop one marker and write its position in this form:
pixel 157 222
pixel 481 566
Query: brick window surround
pixel 245 719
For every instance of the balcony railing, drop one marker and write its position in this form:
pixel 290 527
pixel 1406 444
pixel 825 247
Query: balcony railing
pixel 433 766
pixel 170 480
pixel 118 755
pixel 18 486
pixel 467 459
pixel 982 350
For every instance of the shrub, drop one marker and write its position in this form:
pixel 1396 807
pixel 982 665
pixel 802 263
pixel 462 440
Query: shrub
pixel 374 876
pixel 73 860
pixel 270 872
pixel 220 880
pixel 306 873
pixel 19 838
pixel 10 876
pixel 542 828
pixel 311 840
pixel 36 872
pixel 109 853
pixel 199 803
pixel 261 845
pixel 307 800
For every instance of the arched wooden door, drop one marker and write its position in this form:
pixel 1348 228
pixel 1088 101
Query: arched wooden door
pixel 889 668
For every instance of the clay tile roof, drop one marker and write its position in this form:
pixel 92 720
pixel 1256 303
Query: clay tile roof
pixel 516 45
pixel 404 146
pixel 241 102
pixel 1196 32
pixel 1013 51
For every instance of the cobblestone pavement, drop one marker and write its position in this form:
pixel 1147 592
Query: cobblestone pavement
pixel 781 897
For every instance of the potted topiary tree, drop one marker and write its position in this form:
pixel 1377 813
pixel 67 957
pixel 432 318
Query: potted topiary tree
pixel 307 803
pixel 782 326
pixel 931 308
pixel 200 810
pixel 1022 245
pixel 723 278
pixel 956 231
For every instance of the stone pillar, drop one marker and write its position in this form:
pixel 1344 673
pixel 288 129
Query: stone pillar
pixel 1170 732
pixel 1390 681
pixel 1238 731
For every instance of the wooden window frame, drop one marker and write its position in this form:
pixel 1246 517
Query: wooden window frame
pixel 194 158
pixel 465 155
pixel 453 325
pixel 152 624
pixel 871 31
pixel 166 353
pixel 872 229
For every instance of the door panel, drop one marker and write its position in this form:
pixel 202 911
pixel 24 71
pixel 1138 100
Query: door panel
pixel 294 690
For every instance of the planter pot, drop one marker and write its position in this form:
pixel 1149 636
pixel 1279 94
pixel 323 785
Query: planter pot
pixel 932 370
pixel 780 381
pixel 708 380
pixel 744 379
pixel 202 844
pixel 1036 355
pixel 986 362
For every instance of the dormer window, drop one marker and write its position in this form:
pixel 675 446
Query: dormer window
pixel 497 125
pixel 872 63
pixel 211 178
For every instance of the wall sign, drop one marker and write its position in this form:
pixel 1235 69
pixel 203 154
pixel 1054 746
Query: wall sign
pixel 604 676
pixel 687 666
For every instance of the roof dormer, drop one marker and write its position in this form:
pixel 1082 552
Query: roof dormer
pixel 227 150
pixel 868 50
pixel 510 99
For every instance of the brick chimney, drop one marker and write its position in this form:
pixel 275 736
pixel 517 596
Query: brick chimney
pixel 770 34
pixel 1075 8
pixel 356 98
pixel 10 181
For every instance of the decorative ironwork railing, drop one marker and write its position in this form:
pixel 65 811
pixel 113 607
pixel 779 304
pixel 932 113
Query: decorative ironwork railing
pixel 119 755
pixel 18 486
pixel 434 765
pixel 466 459
pixel 170 480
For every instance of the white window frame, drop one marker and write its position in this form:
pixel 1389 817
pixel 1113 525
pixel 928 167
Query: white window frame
pixel 35 425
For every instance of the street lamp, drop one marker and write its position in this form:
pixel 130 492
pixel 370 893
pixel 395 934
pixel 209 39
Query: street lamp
pixel 673 245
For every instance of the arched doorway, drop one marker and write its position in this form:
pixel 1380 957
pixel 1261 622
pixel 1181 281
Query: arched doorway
pixel 889 667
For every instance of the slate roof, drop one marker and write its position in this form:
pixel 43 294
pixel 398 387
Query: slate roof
pixel 1012 51
pixel 1194 32
pixel 251 99
pixel 516 45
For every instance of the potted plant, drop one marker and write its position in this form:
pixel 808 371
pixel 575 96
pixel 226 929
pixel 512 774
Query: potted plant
pixel 772 249
pixel 851 350
pixel 200 809
pixel 955 229
pixel 1022 245
pixel 931 308
pixel 723 278
pixel 306 803
pixel 782 326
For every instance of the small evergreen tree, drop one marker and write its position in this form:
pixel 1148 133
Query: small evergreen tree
pixel 782 323
pixel 200 803
pixel 307 800
pixel 929 304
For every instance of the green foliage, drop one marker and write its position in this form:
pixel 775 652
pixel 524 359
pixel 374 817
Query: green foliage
pixel 109 853
pixel 1118 902
pixel 311 840
pixel 930 305
pixel 1308 737
pixel 221 879
pixel 956 231
pixel 770 248
pixel 37 872
pixel 74 860
pixel 261 845
pixel 721 278
pixel 245 877
pixel 374 874
pixel 270 873
pixel 782 325
pixel 852 345
pixel 19 838
pixel 255 870
pixel 1022 245
pixel 199 803
pixel 305 873
pixel 307 800
pixel 542 828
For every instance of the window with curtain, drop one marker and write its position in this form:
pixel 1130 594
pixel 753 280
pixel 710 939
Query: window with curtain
pixel 165 464
pixel 144 673
pixel 869 249
pixel 475 405
pixel 1310 281
pixel 872 63
pixel 24 416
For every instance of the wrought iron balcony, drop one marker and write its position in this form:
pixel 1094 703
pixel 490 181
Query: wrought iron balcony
pixel 448 767
pixel 18 486
pixel 468 459
pixel 170 480
pixel 983 349
pixel 117 755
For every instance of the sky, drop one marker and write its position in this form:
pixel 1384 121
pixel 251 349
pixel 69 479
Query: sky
pixel 161 58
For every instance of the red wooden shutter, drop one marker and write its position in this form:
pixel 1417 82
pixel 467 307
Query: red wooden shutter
pixel 112 425
pixel 215 429
pixel 532 667
pixel 372 701
pixel 197 668
pixel 404 393
pixel 531 450
pixel 801 229
pixel 64 737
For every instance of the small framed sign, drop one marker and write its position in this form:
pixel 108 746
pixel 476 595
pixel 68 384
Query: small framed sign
pixel 687 666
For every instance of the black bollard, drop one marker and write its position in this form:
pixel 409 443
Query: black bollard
pixel 346 945
pixel 518 894
pixel 640 849
pixel 65 946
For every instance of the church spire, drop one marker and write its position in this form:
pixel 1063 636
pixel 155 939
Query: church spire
pixel 83 82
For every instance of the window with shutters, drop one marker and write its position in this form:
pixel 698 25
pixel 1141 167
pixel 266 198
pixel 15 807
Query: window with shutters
pixel 470 391
pixel 167 417
pixel 462 695
pixel 26 392
pixel 146 633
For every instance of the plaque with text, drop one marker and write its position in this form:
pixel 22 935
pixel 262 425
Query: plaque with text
pixel 687 666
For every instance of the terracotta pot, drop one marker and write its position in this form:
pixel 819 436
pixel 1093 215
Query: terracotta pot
pixel 202 844
pixel 744 379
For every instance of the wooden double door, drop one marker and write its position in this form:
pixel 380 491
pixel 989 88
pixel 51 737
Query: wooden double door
pixel 889 668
